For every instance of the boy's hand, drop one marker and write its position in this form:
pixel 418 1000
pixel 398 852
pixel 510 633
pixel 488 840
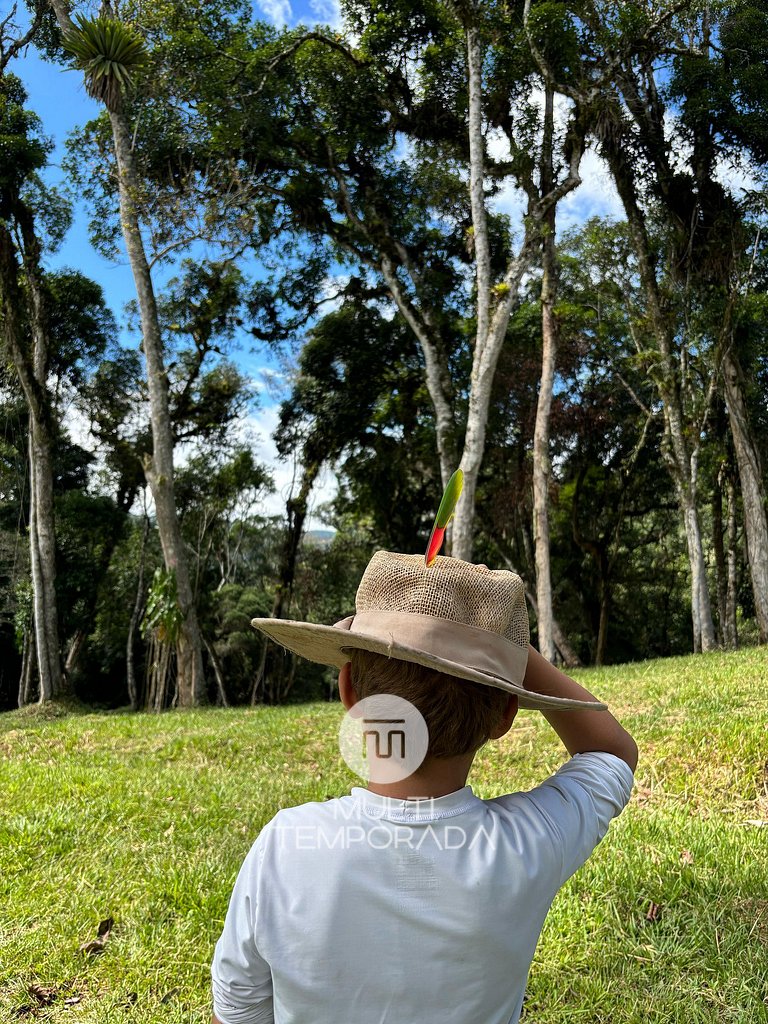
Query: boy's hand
pixel 582 730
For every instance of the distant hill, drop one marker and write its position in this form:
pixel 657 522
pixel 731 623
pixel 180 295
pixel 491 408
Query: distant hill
pixel 320 538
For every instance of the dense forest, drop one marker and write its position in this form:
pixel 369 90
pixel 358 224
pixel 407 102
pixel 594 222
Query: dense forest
pixel 378 204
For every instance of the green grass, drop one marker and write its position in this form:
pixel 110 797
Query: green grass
pixel 146 819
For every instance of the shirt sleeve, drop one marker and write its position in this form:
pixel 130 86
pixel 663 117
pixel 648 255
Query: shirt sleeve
pixel 578 803
pixel 240 977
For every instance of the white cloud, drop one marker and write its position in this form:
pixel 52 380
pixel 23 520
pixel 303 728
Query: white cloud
pixel 278 11
pixel 331 290
pixel 258 430
pixel 327 12
pixel 510 200
pixel 739 175
pixel 595 197
pixel 497 145
pixel 79 428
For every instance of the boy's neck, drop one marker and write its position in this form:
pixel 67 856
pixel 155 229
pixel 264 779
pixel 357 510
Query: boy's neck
pixel 436 777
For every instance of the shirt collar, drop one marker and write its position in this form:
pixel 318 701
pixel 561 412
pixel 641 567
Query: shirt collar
pixel 420 809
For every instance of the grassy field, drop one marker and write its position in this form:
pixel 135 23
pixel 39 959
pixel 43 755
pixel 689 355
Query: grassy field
pixel 146 819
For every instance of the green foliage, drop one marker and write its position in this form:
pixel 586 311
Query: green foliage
pixel 228 613
pixel 23 148
pixel 163 616
pixel 80 324
pixel 23 613
pixel 88 528
pixel 316 156
pixel 725 89
pixel 89 164
pixel 554 29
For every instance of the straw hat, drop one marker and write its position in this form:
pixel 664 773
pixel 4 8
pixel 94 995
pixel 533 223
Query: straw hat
pixel 461 619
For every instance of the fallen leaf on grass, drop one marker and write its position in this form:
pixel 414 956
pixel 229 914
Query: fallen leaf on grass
pixel 42 994
pixel 686 857
pixel 97 945
pixel 642 794
pixel 755 822
pixel 653 912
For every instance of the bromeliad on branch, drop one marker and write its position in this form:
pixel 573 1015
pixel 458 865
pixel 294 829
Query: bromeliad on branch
pixel 109 53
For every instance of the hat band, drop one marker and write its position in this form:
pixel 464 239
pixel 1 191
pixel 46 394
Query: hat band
pixel 470 646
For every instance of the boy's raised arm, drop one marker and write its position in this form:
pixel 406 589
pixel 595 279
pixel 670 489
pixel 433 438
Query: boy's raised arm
pixel 580 731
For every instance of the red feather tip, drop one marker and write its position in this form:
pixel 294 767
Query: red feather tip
pixel 435 543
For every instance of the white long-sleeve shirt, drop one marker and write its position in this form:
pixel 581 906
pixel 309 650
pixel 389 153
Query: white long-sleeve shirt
pixel 370 910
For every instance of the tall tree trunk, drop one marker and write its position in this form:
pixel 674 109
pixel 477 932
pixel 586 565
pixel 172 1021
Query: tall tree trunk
pixel 679 458
pixel 751 483
pixel 277 666
pixel 138 605
pixel 542 465
pixel 27 666
pixel 491 327
pixel 494 301
pixel 41 465
pixel 39 590
pixel 31 369
pixel 730 630
pixel 719 549
pixel 158 468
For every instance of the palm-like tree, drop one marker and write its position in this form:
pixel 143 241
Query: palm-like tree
pixel 111 54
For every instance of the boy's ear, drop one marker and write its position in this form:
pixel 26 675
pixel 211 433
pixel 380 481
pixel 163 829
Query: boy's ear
pixel 507 718
pixel 346 690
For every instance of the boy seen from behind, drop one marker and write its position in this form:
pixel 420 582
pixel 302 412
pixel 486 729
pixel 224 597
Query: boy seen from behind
pixel 412 900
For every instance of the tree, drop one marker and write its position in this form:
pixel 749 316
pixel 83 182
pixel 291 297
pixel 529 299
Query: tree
pixel 26 340
pixel 720 100
pixel 541 458
pixel 626 113
pixel 388 188
pixel 112 55
pixel 352 361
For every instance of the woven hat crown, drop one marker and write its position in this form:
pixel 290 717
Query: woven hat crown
pixel 449 589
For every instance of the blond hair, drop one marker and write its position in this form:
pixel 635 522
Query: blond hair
pixel 460 714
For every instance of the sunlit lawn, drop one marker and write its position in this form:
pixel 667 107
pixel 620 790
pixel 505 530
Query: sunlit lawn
pixel 146 819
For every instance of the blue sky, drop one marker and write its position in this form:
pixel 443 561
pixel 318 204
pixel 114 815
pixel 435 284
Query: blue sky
pixel 59 99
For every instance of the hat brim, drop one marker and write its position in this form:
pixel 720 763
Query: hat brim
pixel 329 645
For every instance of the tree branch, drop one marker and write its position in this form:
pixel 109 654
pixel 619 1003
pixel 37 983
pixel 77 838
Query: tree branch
pixel 18 44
